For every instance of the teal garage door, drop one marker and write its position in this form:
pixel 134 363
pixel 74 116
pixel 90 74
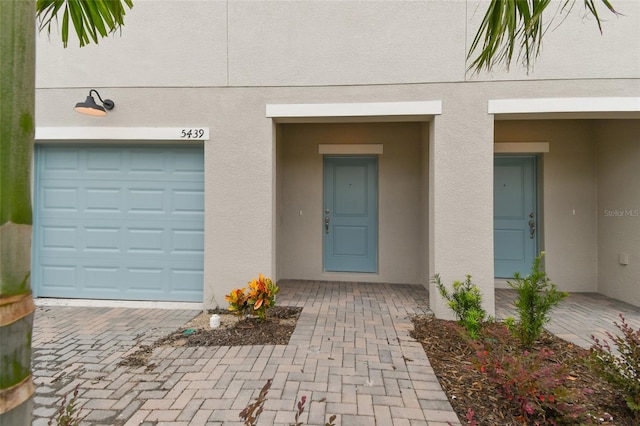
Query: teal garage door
pixel 119 222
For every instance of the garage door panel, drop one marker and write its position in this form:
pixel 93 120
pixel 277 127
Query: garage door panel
pixel 172 280
pixel 146 240
pixel 188 202
pixel 148 161
pixel 101 239
pixel 60 199
pixel 147 200
pixel 118 244
pixel 187 165
pixel 123 163
pixel 61 162
pixel 101 278
pixel 138 235
pixel 103 200
pixel 58 277
pixel 183 242
pixel 58 238
pixel 107 161
pixel 146 279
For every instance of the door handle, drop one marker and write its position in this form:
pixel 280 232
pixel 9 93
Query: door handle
pixel 326 224
pixel 532 228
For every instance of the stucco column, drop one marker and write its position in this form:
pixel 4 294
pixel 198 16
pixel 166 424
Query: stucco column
pixel 461 200
pixel 239 198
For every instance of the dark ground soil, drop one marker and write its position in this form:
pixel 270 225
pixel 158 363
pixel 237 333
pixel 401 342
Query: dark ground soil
pixel 234 331
pixel 466 387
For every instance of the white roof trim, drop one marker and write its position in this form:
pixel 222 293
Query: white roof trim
pixel 372 109
pixel 559 105
pixel 193 133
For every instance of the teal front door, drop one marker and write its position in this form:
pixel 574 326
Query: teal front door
pixel 514 215
pixel 350 214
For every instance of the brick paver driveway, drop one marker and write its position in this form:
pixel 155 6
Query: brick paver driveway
pixel 350 354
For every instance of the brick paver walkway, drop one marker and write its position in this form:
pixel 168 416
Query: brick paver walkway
pixel 350 354
pixel 579 316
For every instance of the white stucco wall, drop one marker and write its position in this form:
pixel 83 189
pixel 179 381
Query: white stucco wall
pixel 222 62
pixel 618 148
pixel 163 44
pixel 461 200
pixel 183 43
pixel 328 43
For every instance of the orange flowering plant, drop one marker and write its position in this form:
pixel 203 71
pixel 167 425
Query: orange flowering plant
pixel 261 296
pixel 237 301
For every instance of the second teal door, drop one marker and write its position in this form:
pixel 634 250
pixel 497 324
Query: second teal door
pixel 514 215
pixel 350 214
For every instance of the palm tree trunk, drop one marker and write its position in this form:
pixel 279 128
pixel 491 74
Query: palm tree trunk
pixel 17 95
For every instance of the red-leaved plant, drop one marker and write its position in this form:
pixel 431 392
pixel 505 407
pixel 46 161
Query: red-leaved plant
pixel 252 412
pixel 535 387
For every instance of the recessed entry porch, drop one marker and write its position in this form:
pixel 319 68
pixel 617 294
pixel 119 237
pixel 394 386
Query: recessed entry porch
pixel 434 190
pixel 588 203
pixel 389 160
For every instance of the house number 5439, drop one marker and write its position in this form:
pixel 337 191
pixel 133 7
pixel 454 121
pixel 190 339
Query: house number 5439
pixel 191 133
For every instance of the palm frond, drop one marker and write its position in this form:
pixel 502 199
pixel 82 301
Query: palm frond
pixel 91 19
pixel 511 26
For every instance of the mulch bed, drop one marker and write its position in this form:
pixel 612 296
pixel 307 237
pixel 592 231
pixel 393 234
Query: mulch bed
pixel 275 330
pixel 466 387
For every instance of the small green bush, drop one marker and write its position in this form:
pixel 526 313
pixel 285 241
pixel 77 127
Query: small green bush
pixel 466 303
pixel 536 297
pixel 621 371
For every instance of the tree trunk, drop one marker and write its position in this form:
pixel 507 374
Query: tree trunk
pixel 17 96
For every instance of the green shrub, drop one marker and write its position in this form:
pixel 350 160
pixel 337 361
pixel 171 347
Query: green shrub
pixel 536 297
pixel 622 371
pixel 466 303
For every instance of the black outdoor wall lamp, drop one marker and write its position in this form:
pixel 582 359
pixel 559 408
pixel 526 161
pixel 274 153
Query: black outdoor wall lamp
pixel 90 107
